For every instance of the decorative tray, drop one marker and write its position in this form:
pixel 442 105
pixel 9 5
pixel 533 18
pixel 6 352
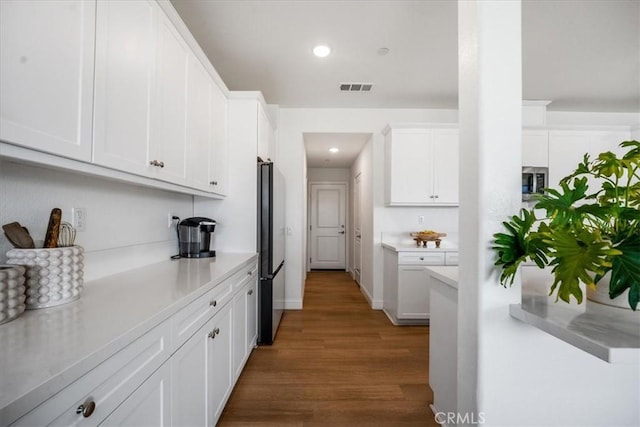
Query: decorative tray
pixel 422 237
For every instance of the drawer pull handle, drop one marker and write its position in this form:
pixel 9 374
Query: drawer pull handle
pixel 156 163
pixel 213 303
pixel 250 292
pixel 213 182
pixel 213 333
pixel 249 273
pixel 87 408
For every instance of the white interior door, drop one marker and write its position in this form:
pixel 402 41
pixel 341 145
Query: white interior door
pixel 327 226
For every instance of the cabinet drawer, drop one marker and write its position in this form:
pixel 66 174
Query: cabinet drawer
pixel 107 385
pixel 246 273
pixel 421 258
pixel 188 320
pixel 451 258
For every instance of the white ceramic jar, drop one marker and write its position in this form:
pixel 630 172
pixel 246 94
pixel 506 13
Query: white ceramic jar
pixel 53 276
pixel 12 292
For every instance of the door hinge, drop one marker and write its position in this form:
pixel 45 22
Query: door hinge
pixel 309 259
pixel 310 227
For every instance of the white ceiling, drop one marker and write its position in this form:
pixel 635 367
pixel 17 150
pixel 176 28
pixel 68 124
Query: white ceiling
pixel 317 147
pixel 583 55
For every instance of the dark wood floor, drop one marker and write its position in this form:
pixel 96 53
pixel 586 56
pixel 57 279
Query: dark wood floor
pixel 337 362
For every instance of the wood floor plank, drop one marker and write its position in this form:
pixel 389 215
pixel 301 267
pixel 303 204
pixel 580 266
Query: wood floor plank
pixel 337 362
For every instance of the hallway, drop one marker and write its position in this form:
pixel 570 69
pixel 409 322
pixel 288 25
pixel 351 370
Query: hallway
pixel 335 363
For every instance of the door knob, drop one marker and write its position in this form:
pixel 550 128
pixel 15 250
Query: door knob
pixel 341 232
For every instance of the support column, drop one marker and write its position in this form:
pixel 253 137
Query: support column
pixel 490 116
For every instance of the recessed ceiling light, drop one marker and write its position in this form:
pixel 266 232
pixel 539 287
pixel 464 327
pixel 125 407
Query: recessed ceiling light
pixel 321 51
pixel 333 150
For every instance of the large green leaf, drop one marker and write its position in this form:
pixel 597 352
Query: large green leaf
pixel 517 244
pixel 578 255
pixel 560 205
pixel 625 270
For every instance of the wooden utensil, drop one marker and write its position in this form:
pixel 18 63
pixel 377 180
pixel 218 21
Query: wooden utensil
pixel 53 229
pixel 18 235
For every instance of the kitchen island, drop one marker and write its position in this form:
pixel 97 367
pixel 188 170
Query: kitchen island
pixel 45 353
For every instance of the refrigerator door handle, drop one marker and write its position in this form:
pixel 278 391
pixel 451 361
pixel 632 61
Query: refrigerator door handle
pixel 275 273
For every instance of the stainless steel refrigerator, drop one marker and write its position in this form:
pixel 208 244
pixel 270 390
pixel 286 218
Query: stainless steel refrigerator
pixel 271 246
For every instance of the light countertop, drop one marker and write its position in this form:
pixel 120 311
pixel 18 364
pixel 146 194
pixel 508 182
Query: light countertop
pixel 609 333
pixel 44 350
pixel 403 242
pixel 445 274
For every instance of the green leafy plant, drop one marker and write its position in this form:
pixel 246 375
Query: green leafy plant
pixel 584 235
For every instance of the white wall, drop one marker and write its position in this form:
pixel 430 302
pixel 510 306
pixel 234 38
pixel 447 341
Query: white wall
pixel 328 175
pixel 126 224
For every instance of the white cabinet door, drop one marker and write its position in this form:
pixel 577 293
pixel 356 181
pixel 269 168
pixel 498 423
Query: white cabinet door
pixel 413 293
pixel 567 149
pixel 239 339
pixel 445 166
pixel 46 75
pixel 199 125
pixel 408 167
pixel 220 380
pixel 190 372
pixel 167 149
pixel 149 405
pixel 125 82
pixel 252 314
pixel 218 166
pixel 264 135
pixel 535 148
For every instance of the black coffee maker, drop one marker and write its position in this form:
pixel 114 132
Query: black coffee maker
pixel 194 235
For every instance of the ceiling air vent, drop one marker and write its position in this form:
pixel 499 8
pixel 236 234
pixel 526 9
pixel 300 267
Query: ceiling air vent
pixel 356 87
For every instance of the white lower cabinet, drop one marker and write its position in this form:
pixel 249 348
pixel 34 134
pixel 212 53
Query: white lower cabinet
pixel 406 285
pixel 180 373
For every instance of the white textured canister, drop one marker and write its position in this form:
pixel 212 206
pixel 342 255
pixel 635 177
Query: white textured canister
pixel 53 276
pixel 12 292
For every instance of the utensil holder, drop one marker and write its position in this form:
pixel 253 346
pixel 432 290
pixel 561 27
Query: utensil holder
pixel 12 292
pixel 53 276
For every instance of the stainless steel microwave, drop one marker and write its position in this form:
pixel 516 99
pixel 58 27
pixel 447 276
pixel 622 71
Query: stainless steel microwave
pixel 534 180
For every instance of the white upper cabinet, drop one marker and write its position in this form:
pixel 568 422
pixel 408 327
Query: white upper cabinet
pixel 568 147
pixel 168 145
pixel 535 148
pixel 421 166
pixel 46 75
pixel 218 160
pixel 265 135
pixel 125 83
pixel 199 128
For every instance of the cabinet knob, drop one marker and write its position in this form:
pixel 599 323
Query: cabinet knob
pixel 436 196
pixel 250 292
pixel 249 273
pixel 87 408
pixel 213 303
pixel 431 196
pixel 212 334
pixel 421 258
